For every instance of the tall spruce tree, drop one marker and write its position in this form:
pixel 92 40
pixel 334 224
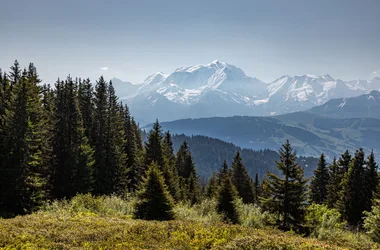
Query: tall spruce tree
pixel 153 147
pixel 114 145
pixel 223 172
pixel 286 196
pixel 171 170
pixel 212 188
pixel 103 182
pixel 319 182
pixel 188 178
pixel 344 163
pixel 241 179
pixel 154 200
pixel 256 189
pixel 135 171
pixel 72 154
pixel 334 185
pixel 351 204
pixel 371 181
pixel 24 186
pixel 85 101
pixel 226 198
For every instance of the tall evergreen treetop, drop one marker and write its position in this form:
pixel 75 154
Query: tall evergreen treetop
pixel 319 181
pixel 286 196
pixel 226 198
pixel 241 179
pixel 351 202
pixel 155 202
pixel 153 147
pixel 334 185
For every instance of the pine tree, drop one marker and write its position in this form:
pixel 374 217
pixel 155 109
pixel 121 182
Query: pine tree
pixel 344 163
pixel 286 196
pixel 171 172
pixel 371 181
pixel 153 147
pixel 154 200
pixel 319 182
pixel 334 185
pixel 73 156
pixel 135 172
pixel 241 180
pixel 256 189
pixel 351 196
pixel 188 178
pixel 212 187
pixel 114 145
pixel 23 189
pixel 103 182
pixel 226 197
pixel 223 172
pixel 85 101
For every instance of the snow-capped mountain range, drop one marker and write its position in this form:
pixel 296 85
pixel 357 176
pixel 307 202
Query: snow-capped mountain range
pixel 221 89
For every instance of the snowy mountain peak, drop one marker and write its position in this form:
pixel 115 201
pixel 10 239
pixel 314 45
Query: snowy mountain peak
pixel 155 78
pixel 221 89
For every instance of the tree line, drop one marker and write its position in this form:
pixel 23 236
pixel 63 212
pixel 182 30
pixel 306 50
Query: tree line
pixel 76 137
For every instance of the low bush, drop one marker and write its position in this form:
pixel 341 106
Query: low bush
pixel 251 215
pixel 204 211
pixel 322 221
pixel 100 205
pixel 372 222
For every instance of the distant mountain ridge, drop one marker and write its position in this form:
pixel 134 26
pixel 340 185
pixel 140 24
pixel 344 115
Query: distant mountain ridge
pixel 222 89
pixel 363 106
pixel 310 134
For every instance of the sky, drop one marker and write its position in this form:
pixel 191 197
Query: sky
pixel 133 39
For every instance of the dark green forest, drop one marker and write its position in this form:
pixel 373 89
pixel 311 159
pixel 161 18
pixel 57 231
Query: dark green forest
pixel 76 137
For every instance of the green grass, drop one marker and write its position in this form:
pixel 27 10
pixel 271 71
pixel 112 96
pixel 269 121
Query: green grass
pixel 87 222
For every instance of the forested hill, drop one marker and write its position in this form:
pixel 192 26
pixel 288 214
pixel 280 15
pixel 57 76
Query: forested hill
pixel 209 154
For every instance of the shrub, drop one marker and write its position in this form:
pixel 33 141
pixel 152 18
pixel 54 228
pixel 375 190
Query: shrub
pixel 251 215
pixel 322 221
pixel 204 211
pixel 372 222
pixel 101 205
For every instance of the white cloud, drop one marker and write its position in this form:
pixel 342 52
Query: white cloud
pixel 104 68
pixel 374 72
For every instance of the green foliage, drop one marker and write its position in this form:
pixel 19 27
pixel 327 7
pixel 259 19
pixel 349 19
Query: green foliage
pixel 321 220
pixel 209 154
pixel 371 181
pixel 72 155
pixel 251 215
pixel 372 221
pixel 87 230
pixel 226 198
pixel 154 200
pixel 171 172
pixel 352 199
pixel 205 211
pixel 188 178
pixel 87 203
pixel 334 185
pixel 23 145
pixel 241 180
pixel 286 196
pixel 319 182
pixel 212 187
pixel 256 189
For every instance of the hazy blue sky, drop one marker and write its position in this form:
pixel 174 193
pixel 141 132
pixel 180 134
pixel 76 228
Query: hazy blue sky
pixel 133 39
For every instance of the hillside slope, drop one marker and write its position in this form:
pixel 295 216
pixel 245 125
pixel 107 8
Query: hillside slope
pixel 309 134
pixel 209 154
pixel 91 231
